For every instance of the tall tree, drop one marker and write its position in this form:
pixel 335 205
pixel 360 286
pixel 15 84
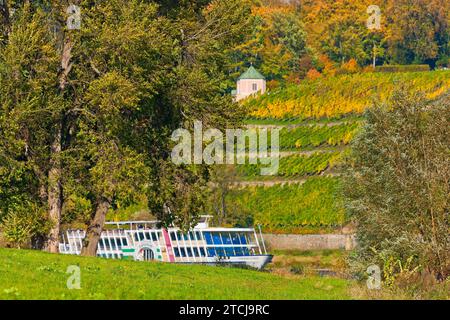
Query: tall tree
pixel 398 185
pixel 105 100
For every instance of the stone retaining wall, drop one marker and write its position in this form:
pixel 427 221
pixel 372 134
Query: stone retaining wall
pixel 310 241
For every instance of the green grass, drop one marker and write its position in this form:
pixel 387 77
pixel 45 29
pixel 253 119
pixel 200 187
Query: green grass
pixel 37 275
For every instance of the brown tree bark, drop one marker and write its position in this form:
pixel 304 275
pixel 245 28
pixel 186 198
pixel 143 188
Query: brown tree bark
pixel 55 190
pixel 54 198
pixel 95 228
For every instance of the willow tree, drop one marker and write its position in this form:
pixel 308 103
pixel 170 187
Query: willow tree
pixel 398 186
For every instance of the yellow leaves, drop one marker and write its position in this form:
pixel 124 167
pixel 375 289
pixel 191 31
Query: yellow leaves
pixel 267 12
pixel 340 95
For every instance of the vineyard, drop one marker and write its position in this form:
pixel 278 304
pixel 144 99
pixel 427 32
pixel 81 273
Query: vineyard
pixel 317 119
pixel 296 208
pixel 297 165
pixel 335 97
pixel 317 135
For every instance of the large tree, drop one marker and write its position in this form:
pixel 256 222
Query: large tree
pixel 88 114
pixel 398 185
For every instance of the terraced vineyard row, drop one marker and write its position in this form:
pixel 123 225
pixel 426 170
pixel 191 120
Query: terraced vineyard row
pixel 293 208
pixel 296 165
pixel 317 135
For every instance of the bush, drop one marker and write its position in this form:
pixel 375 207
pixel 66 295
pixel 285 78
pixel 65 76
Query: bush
pixel 23 225
pixel 313 74
pixel 297 269
pixel 444 62
pixel 16 230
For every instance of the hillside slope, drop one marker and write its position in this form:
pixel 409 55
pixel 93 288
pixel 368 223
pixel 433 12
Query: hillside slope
pixel 338 96
pixel 318 120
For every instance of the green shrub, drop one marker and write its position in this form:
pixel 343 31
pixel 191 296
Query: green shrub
pixel 22 224
pixel 15 229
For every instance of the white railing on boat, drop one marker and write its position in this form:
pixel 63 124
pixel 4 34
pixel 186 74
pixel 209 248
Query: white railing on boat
pixel 200 245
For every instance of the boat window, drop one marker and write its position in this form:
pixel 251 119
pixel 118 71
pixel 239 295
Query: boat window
pixel 196 252
pixel 220 252
pixel 216 238
pixel 226 238
pixel 208 237
pixel 235 238
pixel 211 252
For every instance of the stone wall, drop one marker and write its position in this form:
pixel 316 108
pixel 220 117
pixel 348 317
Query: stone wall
pixel 310 241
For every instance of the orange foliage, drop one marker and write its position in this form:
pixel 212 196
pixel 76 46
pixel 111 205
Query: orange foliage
pixel 313 74
pixel 329 67
pixel 350 66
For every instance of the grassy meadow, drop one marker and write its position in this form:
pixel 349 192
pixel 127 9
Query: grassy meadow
pixel 37 275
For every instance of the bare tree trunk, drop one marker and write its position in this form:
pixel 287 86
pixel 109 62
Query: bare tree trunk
pixel 54 198
pixel 55 191
pixel 374 60
pixel 95 228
